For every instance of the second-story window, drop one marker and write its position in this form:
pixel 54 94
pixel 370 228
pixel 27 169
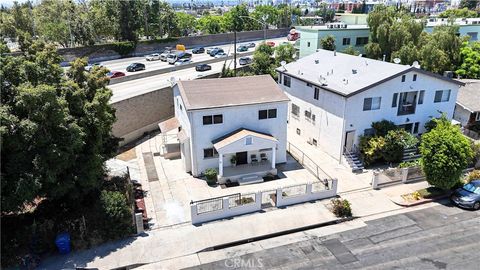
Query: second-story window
pixel 295 110
pixel 316 93
pixel 442 96
pixel 370 104
pixel 420 96
pixel 308 44
pixel 287 81
pixel 265 114
pixel 414 77
pixel 212 119
pixel 361 41
pixel 403 78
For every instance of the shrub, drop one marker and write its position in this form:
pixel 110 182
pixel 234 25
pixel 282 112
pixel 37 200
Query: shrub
pixel 473 175
pixel 395 142
pixel 211 175
pixel 118 214
pixel 383 127
pixel 123 48
pixel 371 149
pixel 409 164
pixel 341 208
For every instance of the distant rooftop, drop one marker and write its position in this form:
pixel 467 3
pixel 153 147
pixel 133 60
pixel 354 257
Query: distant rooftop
pixel 469 95
pixel 224 92
pixel 329 27
pixel 346 74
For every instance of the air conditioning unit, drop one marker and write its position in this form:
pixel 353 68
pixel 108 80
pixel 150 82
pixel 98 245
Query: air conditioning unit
pixel 310 141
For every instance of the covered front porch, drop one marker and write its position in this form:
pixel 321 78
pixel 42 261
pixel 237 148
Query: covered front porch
pixel 245 156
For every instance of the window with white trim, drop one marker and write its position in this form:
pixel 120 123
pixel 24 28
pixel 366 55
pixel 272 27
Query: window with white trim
pixel 210 153
pixel 442 96
pixel 266 114
pixel 295 110
pixel 287 81
pixel 248 140
pixel 316 93
pixel 371 104
pixel 212 119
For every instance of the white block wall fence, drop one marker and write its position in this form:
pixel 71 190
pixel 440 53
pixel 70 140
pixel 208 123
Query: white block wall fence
pixel 234 205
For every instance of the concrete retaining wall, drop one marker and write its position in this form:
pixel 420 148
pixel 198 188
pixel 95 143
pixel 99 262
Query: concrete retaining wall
pixel 309 195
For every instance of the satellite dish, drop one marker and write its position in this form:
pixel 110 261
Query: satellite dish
pixel 360 55
pixel 283 63
pixel 416 64
pixel 397 60
pixel 171 80
pixel 322 80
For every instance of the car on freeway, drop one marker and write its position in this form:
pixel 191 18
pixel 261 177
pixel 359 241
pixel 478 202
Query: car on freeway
pixel 91 66
pixel 174 57
pixel 209 50
pixel 271 43
pixel 198 50
pixel 135 67
pixel 203 67
pixel 153 57
pixel 220 55
pixel 184 61
pixel 164 55
pixel 467 196
pixel 245 60
pixel 115 74
pixel 242 49
pixel 216 51
pixel 249 45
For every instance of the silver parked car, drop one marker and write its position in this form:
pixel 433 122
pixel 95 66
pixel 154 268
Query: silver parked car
pixel 181 62
pixel 153 57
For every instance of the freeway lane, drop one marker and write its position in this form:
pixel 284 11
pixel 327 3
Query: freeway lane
pixel 121 64
pixel 132 88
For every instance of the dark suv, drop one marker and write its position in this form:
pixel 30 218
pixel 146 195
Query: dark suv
pixel 135 67
pixel 198 50
pixel 215 51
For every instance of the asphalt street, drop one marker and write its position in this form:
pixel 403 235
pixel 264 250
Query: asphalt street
pixel 440 237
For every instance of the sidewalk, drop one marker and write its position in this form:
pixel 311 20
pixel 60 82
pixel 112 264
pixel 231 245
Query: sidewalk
pixel 185 240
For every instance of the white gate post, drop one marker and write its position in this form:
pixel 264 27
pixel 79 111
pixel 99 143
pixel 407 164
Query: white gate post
pixel 139 223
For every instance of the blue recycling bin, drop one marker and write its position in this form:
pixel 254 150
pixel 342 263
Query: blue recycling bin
pixel 63 243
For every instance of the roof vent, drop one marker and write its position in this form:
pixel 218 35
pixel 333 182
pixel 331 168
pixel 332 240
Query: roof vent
pixel 322 80
pixel 317 61
pixel 345 81
pixel 334 53
pixel 354 71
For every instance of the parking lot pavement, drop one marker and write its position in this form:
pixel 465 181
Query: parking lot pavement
pixel 440 237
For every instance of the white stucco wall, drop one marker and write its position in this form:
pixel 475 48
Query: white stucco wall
pixel 332 124
pixel 328 110
pixel 359 120
pixel 461 114
pixel 234 117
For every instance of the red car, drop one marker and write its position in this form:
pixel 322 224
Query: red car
pixel 115 74
pixel 271 43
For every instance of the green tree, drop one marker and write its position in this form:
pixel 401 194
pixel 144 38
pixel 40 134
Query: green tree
pixel 211 24
pixel 459 13
pixel 445 154
pixel 263 61
pixel 469 4
pixel 53 21
pixel 328 43
pixel 395 142
pixel 185 22
pixel 470 60
pixel 237 19
pixel 56 132
pixel 130 19
pixel 265 13
pixel 327 14
pixel 284 53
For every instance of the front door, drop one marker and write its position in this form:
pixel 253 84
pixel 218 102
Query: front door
pixel 349 140
pixel 241 158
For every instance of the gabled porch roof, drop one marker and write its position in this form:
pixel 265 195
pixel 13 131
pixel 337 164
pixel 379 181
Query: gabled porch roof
pixel 169 124
pixel 241 133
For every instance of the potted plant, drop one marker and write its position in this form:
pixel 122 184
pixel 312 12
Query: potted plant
pixel 233 160
pixel 211 175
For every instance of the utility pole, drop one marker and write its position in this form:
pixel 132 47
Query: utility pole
pixel 235 53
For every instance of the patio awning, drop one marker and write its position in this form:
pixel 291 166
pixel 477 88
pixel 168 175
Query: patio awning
pixel 169 124
pixel 236 140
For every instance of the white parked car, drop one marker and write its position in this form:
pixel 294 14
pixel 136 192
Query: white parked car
pixel 153 57
pixel 220 55
pixel 182 62
pixel 89 67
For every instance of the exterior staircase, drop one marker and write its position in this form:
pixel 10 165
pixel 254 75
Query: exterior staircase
pixel 354 161
pixel 410 154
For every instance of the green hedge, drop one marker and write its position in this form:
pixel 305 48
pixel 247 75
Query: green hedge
pixel 123 48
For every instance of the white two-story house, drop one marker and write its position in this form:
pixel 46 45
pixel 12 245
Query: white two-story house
pixel 243 117
pixel 335 98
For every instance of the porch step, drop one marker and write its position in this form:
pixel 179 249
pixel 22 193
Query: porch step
pixel 354 161
pixel 250 179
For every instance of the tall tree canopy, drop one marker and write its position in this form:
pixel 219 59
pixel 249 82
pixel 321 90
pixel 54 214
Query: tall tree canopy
pixel 56 131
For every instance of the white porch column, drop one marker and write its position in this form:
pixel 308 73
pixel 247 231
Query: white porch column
pixel 273 156
pixel 220 164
